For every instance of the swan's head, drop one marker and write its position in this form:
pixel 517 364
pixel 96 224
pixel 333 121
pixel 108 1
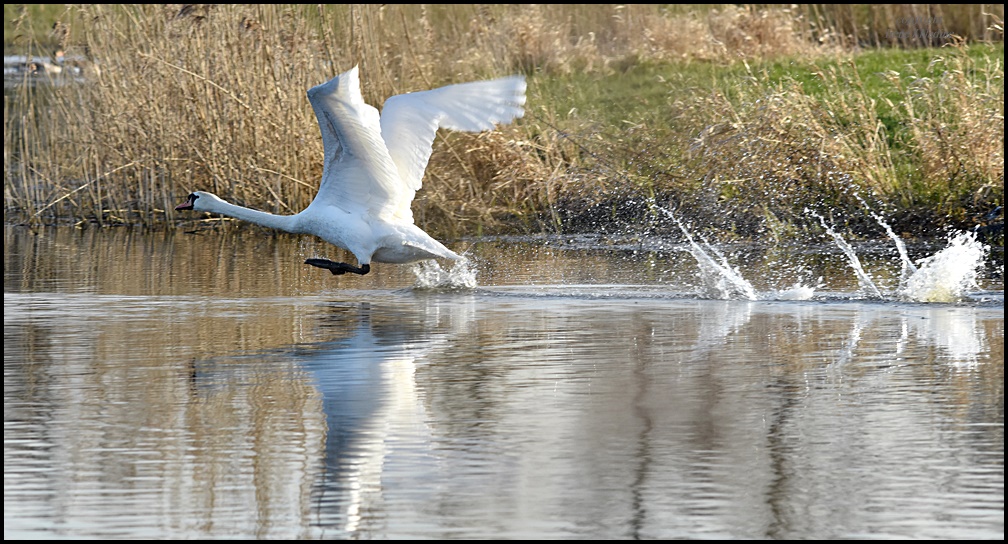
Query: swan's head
pixel 200 201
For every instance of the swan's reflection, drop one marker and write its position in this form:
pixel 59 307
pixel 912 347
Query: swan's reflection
pixel 377 420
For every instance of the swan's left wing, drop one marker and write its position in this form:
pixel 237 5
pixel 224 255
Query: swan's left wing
pixel 410 121
pixel 358 174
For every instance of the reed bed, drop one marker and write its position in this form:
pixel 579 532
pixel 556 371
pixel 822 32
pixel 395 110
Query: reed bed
pixel 183 97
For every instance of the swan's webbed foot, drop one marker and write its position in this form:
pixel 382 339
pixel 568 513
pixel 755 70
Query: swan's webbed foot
pixel 339 268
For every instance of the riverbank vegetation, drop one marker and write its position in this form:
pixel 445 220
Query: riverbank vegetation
pixel 736 118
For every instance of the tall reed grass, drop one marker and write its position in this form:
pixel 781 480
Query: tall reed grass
pixel 185 97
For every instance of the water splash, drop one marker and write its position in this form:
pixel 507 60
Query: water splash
pixel 430 275
pixel 906 265
pixel 947 275
pixel 719 279
pixel 795 292
pixel 864 280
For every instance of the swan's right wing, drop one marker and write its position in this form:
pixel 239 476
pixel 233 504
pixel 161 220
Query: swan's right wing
pixel 410 121
pixel 358 174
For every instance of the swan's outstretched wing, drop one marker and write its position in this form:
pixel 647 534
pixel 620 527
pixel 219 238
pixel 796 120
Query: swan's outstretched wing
pixel 410 121
pixel 358 173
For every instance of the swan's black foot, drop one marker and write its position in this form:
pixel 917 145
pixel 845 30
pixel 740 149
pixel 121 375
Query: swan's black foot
pixel 339 268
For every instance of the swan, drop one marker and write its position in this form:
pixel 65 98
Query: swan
pixel 374 165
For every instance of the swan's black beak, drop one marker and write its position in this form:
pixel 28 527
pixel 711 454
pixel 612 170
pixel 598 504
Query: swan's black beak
pixel 188 204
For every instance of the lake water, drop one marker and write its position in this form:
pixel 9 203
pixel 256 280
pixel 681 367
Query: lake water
pixel 210 385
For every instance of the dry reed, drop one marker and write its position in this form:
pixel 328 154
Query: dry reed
pixel 184 97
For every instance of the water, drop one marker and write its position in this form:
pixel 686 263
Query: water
pixel 210 385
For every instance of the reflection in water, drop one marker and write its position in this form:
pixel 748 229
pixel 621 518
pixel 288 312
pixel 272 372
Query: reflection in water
pixel 377 424
pixel 119 431
pixel 694 386
pixel 149 397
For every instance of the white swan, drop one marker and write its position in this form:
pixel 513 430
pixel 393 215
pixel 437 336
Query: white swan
pixel 374 166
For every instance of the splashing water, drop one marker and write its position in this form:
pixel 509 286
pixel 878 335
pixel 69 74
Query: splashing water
pixel 430 275
pixel 907 266
pixel 945 276
pixel 948 274
pixel 942 277
pixel 795 292
pixel 719 278
pixel 722 281
pixel 864 280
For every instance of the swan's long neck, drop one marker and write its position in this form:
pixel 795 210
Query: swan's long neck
pixel 281 222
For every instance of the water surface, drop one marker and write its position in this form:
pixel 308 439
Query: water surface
pixel 172 385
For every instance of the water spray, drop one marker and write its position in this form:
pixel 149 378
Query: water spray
pixel 943 277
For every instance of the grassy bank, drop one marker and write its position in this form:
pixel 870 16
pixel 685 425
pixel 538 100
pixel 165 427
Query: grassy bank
pixel 739 118
pixel 917 135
